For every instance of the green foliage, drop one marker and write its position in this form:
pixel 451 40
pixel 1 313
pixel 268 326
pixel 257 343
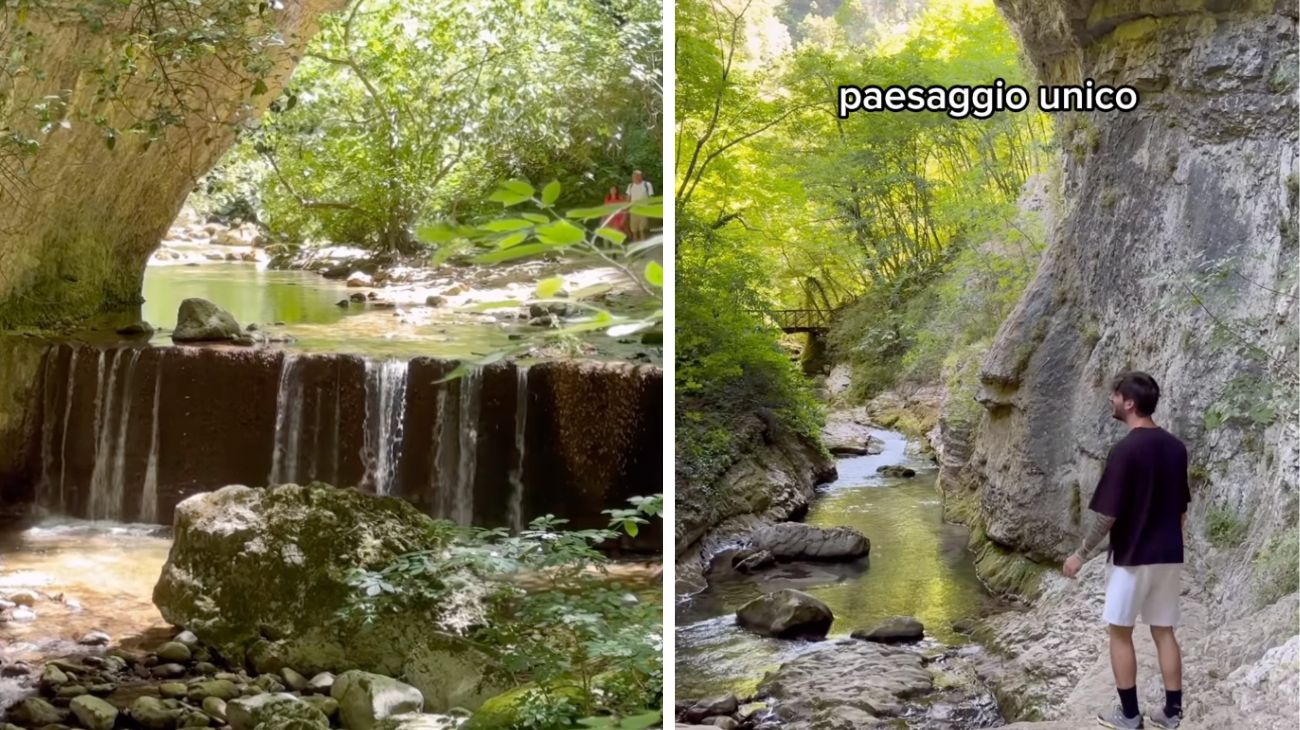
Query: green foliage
pixel 1225 528
pixel 531 226
pixel 551 617
pixel 403 111
pixel 1275 567
pixel 729 361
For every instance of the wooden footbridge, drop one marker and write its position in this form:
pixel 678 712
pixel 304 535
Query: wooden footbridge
pixel 790 321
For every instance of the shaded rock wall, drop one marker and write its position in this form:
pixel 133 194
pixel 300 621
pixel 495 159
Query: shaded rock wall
pixel 78 218
pixel 772 478
pixel 1205 167
pixel 127 433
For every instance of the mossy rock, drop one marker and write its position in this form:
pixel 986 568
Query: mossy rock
pixel 293 547
pixel 503 712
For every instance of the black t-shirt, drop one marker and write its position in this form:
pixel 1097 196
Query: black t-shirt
pixel 1144 487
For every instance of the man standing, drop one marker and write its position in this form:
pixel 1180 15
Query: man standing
pixel 640 189
pixel 1141 502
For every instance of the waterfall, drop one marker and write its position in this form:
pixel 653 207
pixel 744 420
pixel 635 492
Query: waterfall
pixel 108 476
pixel 100 508
pixel 149 495
pixel 63 443
pixel 50 402
pixel 515 510
pixel 288 423
pixel 384 422
pixel 470 387
pixel 117 479
pixel 455 443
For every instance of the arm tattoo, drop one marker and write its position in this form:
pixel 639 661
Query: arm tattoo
pixel 1100 530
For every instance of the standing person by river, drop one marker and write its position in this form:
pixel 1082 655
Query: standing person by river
pixel 617 221
pixel 640 189
pixel 1141 503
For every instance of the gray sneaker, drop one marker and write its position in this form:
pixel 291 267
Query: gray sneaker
pixel 1160 719
pixel 1115 719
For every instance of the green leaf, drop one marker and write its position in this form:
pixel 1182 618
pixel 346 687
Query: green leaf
pixel 546 288
pixel 461 370
pixel 514 252
pixel 485 306
pixel 592 291
pixel 630 528
pixel 611 234
pixel 506 224
pixel 551 193
pixel 513 239
pixel 519 187
pixel 654 273
pixel 648 209
pixel 598 212
pixel 435 233
pixel 561 233
pixel 640 246
pixel 508 198
pixel 259 87
pixel 535 217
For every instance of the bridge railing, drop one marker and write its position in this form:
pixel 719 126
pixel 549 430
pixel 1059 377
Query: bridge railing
pixel 798 320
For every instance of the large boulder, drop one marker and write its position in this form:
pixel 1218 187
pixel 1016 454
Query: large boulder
pixel 786 614
pixel 293 547
pixel 797 541
pixel 199 320
pixel 869 682
pixel 365 699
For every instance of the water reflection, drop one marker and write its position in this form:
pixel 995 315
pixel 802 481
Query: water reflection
pixel 919 566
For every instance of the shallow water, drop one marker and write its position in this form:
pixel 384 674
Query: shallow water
pixel 919 566
pixel 89 576
pixel 307 305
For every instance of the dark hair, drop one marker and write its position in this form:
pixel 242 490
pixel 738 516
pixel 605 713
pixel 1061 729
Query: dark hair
pixel 1140 388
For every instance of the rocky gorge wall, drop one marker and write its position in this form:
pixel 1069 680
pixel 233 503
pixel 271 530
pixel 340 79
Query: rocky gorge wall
pixel 772 477
pixel 79 216
pixel 1203 171
pixel 1175 253
pixel 126 433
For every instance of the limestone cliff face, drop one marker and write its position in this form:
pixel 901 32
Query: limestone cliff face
pixel 78 218
pixel 1204 170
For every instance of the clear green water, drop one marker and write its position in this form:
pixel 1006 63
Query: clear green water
pixel 307 305
pixel 919 566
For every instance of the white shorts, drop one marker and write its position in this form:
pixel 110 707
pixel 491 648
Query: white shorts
pixel 1148 591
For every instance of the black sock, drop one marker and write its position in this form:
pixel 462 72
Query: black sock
pixel 1129 699
pixel 1173 702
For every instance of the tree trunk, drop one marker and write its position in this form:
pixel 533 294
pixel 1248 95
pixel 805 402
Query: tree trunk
pixel 79 217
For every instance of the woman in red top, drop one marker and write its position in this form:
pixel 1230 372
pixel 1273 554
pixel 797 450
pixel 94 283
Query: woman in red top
pixel 617 221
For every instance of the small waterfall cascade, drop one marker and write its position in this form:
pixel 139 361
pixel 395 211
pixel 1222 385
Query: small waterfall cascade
pixel 112 422
pixel 515 510
pixel 288 423
pixel 70 395
pixel 384 424
pixel 109 425
pixel 149 495
pixel 456 447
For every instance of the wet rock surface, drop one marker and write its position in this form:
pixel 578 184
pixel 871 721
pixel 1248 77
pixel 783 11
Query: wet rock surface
pixel 786 614
pixel 797 541
pixel 199 320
